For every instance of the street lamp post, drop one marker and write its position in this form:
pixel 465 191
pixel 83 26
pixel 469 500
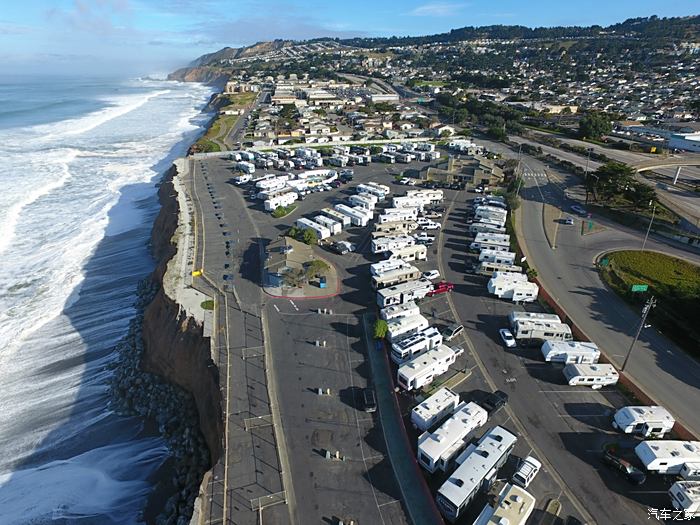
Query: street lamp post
pixel 585 175
pixel 651 303
pixel 646 236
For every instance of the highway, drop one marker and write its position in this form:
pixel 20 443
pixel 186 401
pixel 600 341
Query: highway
pixel 663 370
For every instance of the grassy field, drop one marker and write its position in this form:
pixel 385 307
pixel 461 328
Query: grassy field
pixel 675 284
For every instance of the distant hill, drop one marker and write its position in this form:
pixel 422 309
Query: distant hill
pixel 259 48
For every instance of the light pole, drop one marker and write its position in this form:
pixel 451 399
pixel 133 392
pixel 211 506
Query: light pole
pixel 585 173
pixel 653 212
pixel 651 303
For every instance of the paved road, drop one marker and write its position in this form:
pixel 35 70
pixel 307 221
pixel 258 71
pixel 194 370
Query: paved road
pixel 665 372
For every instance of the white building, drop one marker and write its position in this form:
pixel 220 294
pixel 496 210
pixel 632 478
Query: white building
pixel 685 141
pixel 644 420
pixel 434 409
pixel 478 466
pixel 570 352
pixel 596 376
pixel 667 457
pixel 422 370
pixel 513 507
pixel 437 450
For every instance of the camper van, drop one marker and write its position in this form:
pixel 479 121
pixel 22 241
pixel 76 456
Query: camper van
pixel 434 409
pixel 667 456
pixel 478 467
pixel 643 421
pixel 568 352
pixel 596 376
pixel 405 326
pixel 423 369
pixel 438 450
pixel 407 348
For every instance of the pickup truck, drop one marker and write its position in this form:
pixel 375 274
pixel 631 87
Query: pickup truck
pixel 441 287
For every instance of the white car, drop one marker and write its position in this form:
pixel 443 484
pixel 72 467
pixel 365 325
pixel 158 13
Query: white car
pixel 579 209
pixel 431 275
pixel 507 337
pixel 432 225
pixel 527 470
pixel 424 237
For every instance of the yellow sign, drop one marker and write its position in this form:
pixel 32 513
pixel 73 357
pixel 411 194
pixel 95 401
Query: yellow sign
pixel 197 273
pixel 652 149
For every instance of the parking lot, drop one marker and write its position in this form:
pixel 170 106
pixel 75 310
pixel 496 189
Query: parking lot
pixel 563 426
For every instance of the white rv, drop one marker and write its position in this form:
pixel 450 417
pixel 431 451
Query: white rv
pixel 422 370
pixel 381 267
pixel 242 179
pixel 497 257
pixel 685 496
pixel 408 348
pixel 536 332
pixel 405 326
pixel 387 244
pixel 427 196
pixel 568 352
pixel 379 187
pixel 437 450
pixel 399 310
pixel 358 217
pixel 273 183
pixel 667 456
pixel 404 292
pixel 513 507
pixel 489 212
pixel 333 226
pixel 418 252
pixel 337 216
pixel 434 409
pixel 408 202
pixel 644 421
pixel 307 224
pixel 513 286
pixel 394 277
pixel 482 227
pixel 285 199
pixel 690 471
pixel 502 239
pixel 398 214
pixel 372 189
pixel 596 376
pixel 246 167
pixel 488 268
pixel 478 467
pixel 363 201
pixel 518 315
pixel 479 246
pixel 394 228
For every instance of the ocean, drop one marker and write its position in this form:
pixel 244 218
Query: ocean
pixel 79 163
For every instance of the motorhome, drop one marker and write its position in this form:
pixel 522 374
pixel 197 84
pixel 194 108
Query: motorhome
pixel 685 496
pixel 513 286
pixel 398 214
pixel 513 506
pixel 486 227
pixel 434 409
pixel 418 252
pixel 427 196
pixel 379 192
pixel 423 369
pixel 497 257
pixel 394 277
pixel 284 199
pixel 333 226
pixel 405 326
pixel 404 292
pixel 437 450
pixel 644 421
pixel 478 467
pixel 568 352
pixel 246 167
pixel 272 183
pixel 362 201
pixel 518 315
pixel 358 217
pixel 529 333
pixel 337 216
pixel 242 179
pixel 667 456
pixel 407 348
pixel 502 239
pixel 307 224
pixel 596 376
pixel 399 310
pixel 386 244
pixel 488 268
pixel 381 267
pixel 408 202
pixel 394 228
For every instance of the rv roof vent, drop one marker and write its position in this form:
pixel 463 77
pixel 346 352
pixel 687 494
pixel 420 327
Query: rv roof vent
pixel 675 453
pixel 690 447
pixel 517 498
pixel 458 482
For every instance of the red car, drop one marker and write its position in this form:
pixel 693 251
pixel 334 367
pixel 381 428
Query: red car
pixel 441 287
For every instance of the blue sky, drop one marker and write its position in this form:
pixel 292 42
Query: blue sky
pixel 148 36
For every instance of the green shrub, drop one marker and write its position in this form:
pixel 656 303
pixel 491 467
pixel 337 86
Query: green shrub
pixel 380 329
pixel 208 304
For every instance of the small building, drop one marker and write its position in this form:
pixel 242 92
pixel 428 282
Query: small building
pixel 283 255
pixel 472 170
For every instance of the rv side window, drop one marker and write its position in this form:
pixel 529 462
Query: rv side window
pixel 590 379
pixel 656 430
pixel 549 334
pixel 525 332
pixel 663 463
pixel 638 426
pixel 424 459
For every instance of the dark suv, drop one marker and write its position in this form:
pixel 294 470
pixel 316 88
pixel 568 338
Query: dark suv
pixel 368 400
pixel 495 401
pixel 633 474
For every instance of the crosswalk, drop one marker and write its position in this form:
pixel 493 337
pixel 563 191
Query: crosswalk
pixel 535 174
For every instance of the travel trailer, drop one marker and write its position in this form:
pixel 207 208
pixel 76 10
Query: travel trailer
pixel 307 224
pixel 399 310
pixel 667 456
pixel 404 292
pixel 644 421
pixel 685 496
pixel 513 286
pixel 596 376
pixel 514 506
pixel 488 268
pixel 407 348
pixel 529 333
pixel 405 326
pixel 570 352
pixel 434 409
pixel 423 369
pixel 418 252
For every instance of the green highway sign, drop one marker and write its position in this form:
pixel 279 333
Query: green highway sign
pixel 640 287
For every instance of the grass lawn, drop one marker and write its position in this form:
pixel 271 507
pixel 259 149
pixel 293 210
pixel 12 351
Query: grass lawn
pixel 675 284
pixel 283 211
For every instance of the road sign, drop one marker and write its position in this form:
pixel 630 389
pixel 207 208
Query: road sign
pixel 640 287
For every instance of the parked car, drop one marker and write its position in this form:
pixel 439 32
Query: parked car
pixel 431 275
pixel 452 331
pixel 431 226
pixel 424 237
pixel 579 209
pixel 633 474
pixel 507 338
pixel 495 401
pixel 569 221
pixel 526 472
pixel 369 402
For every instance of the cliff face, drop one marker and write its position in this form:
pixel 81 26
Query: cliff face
pixel 208 75
pixel 174 345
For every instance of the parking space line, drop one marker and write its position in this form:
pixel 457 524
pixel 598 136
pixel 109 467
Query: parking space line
pixel 388 502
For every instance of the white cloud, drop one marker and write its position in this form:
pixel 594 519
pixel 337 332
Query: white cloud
pixel 437 9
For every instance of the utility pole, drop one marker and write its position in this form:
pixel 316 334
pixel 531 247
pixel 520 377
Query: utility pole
pixel 585 176
pixel 653 212
pixel 651 303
